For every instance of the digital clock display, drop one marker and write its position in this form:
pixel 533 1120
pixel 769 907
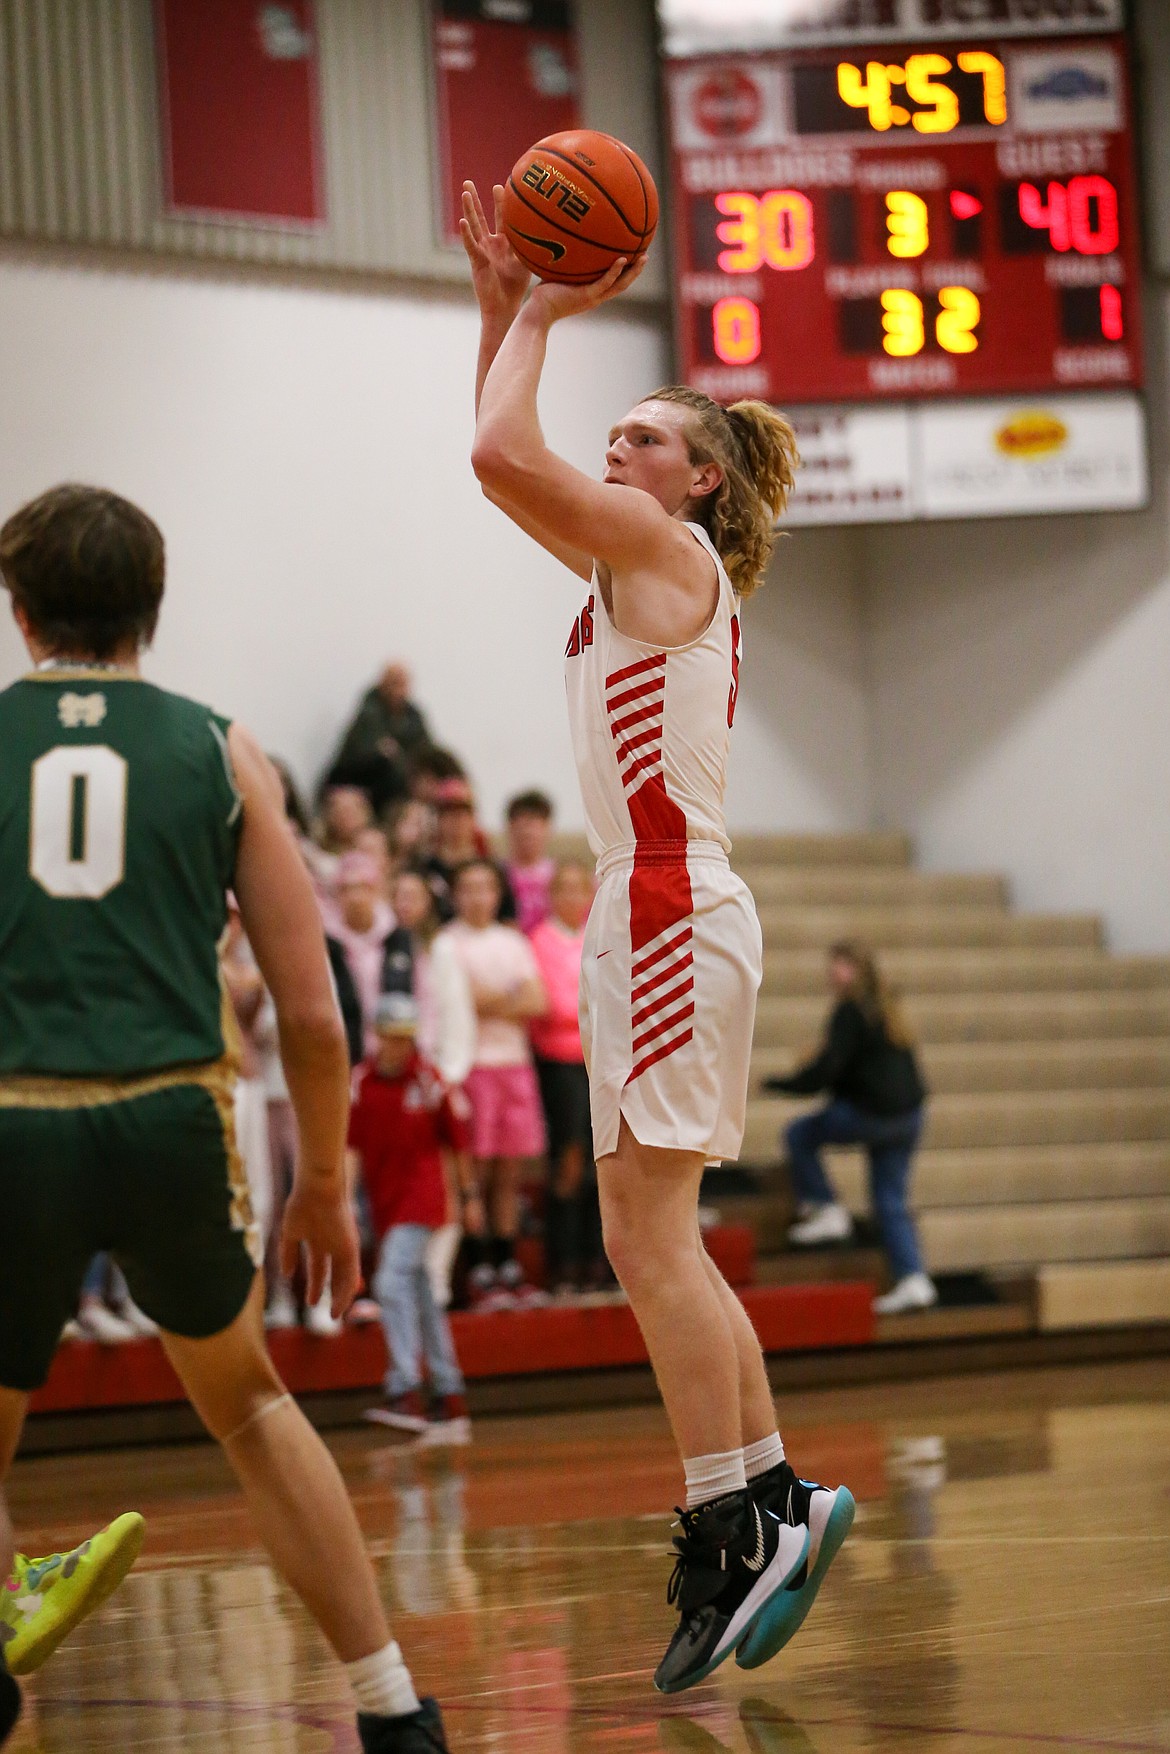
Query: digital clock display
pixel 907 220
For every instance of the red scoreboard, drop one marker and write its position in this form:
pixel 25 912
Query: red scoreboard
pixel 906 219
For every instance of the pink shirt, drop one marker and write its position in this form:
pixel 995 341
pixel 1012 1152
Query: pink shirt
pixel 496 959
pixel 530 885
pixel 557 1035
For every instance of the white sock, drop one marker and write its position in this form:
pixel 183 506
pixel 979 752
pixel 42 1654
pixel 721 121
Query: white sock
pixel 758 1458
pixel 381 1684
pixel 714 1476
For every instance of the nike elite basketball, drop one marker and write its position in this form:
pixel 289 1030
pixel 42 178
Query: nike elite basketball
pixel 577 201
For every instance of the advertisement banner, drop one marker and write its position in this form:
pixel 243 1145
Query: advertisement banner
pixel 505 76
pixel 1054 454
pixel 240 110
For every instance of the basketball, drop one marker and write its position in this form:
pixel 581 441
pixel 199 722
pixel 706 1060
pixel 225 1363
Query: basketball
pixel 577 201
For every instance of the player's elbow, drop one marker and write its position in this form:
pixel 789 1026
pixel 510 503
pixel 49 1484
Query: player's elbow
pixel 311 1028
pixel 490 463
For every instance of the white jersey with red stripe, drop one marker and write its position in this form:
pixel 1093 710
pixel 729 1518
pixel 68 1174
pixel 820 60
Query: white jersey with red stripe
pixel 672 954
pixel 651 724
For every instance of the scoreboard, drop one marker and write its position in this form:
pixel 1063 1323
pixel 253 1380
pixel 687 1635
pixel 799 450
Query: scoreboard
pixel 898 223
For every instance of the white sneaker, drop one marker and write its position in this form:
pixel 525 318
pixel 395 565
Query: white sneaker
pixel 282 1311
pixel 320 1319
pixel 915 1291
pixel 97 1321
pixel 830 1223
pixel 144 1327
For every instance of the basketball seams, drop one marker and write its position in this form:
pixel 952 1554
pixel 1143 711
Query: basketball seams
pixel 547 219
pixel 636 167
pixel 553 152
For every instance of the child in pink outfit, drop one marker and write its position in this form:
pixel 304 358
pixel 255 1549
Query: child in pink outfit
pixel 506 1123
pixel 573 1247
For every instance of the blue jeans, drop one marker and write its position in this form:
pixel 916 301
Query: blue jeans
pixel 890 1141
pixel 417 1330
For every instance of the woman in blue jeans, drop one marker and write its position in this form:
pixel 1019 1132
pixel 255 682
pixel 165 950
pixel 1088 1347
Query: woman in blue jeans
pixel 876 1096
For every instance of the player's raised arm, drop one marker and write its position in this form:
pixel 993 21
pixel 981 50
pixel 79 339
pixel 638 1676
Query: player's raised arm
pixel 501 282
pixel 626 530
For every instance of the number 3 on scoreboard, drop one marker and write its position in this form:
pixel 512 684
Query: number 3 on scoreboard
pixel 77 843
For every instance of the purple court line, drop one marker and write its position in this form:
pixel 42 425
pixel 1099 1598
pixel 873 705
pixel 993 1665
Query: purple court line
pixel 344 1736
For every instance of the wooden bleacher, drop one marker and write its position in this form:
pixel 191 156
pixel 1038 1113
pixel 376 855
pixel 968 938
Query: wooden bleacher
pixel 1047 1149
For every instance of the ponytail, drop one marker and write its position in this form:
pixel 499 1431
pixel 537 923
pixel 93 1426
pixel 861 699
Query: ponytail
pixel 755 447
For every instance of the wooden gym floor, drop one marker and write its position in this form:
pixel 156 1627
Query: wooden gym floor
pixel 1006 1586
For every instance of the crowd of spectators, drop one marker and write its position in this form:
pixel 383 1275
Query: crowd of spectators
pixel 479 937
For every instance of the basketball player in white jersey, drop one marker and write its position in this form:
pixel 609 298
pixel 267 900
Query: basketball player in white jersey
pixel 670 542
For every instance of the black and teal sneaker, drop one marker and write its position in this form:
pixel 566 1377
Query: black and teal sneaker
pixel 419 1732
pixel 827 1517
pixel 734 1557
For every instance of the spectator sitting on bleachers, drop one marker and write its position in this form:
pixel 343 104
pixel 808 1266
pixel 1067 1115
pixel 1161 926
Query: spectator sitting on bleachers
pixel 345 812
pixel 574 1254
pixel 411 834
pixel 373 840
pixel 381 742
pixel 459 839
pixel 506 1124
pixel 876 1099
pixel 404 1119
pixel 527 864
pixel 430 767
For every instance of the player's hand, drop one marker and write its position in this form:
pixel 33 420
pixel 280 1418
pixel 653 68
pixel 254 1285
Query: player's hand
pixel 554 302
pixel 498 275
pixel 319 1218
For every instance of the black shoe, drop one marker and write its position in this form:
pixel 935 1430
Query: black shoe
pixel 9 1702
pixel 827 1516
pixel 733 1557
pixel 419 1732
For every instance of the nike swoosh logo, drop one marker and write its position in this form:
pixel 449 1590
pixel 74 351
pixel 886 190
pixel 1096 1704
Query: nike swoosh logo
pixel 602 953
pixel 555 250
pixel 756 1563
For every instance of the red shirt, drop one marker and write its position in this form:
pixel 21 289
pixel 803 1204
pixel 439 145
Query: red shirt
pixel 399 1126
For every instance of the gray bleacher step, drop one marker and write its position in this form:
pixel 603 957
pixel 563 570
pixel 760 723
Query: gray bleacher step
pixel 1001 1118
pixel 951 970
pixel 795 1021
pixel 968 1067
pixel 851 886
pixel 1028 1235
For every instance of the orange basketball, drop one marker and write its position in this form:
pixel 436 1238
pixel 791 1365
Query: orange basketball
pixel 576 202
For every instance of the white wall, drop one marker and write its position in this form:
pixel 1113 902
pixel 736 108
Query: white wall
pixel 1020 675
pixel 305 452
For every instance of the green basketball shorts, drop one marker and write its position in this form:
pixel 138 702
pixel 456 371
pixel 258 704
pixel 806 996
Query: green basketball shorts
pixel 147 1170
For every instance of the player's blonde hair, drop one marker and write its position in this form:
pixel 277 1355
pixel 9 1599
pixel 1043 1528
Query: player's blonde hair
pixel 755 447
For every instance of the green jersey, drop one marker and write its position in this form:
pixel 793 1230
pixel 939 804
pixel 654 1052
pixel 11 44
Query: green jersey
pixel 119 821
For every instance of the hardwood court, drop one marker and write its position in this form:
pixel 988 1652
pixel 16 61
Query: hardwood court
pixel 1006 1587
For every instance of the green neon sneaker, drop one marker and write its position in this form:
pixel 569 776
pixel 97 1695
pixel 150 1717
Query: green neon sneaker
pixel 45 1599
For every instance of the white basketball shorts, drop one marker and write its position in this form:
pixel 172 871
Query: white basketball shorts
pixel 671 966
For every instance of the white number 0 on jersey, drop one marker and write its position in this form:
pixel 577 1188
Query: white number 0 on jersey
pixel 77 848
